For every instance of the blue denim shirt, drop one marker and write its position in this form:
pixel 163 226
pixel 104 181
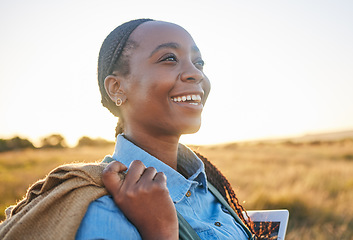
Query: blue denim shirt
pixel 205 214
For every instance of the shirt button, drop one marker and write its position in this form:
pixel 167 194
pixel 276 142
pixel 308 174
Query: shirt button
pixel 218 224
pixel 188 194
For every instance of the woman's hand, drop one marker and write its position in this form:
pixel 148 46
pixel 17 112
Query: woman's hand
pixel 144 199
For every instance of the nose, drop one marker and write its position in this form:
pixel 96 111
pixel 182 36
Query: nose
pixel 191 74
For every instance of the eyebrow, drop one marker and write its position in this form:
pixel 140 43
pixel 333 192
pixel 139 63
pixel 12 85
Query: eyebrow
pixel 172 45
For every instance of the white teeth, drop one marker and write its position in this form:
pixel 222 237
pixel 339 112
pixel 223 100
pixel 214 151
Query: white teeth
pixel 196 97
pixel 185 98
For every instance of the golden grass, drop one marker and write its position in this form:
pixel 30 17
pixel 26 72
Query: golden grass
pixel 20 169
pixel 314 181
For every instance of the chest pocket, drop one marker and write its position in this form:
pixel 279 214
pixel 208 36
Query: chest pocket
pixel 186 232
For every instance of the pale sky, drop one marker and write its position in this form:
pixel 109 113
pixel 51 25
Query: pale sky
pixel 277 68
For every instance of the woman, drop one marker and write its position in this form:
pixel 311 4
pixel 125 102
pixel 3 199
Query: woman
pixel 150 75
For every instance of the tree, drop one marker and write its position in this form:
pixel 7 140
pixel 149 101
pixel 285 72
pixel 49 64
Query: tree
pixel 87 141
pixel 54 141
pixel 14 143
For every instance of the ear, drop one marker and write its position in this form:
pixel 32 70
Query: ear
pixel 113 88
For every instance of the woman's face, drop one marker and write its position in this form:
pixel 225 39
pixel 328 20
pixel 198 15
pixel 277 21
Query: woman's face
pixel 166 88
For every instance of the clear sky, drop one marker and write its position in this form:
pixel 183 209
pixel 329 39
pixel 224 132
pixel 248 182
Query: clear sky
pixel 277 68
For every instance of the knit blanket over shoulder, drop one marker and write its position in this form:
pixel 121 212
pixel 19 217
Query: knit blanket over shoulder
pixel 54 207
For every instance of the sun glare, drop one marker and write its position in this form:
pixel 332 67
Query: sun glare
pixel 276 70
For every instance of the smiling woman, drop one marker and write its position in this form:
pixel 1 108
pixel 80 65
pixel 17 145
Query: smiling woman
pixel 150 75
pixel 163 83
pixel 159 89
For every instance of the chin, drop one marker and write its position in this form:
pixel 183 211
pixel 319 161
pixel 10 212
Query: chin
pixel 191 129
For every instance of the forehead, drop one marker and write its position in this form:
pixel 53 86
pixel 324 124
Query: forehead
pixel 151 34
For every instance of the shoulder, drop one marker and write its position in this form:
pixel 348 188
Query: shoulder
pixel 104 220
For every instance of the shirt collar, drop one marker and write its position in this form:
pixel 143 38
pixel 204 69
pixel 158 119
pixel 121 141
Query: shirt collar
pixel 126 152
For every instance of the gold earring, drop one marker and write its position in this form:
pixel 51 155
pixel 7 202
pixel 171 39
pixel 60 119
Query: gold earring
pixel 119 102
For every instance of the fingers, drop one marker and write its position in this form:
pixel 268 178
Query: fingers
pixel 148 174
pixel 160 178
pixel 136 169
pixel 144 199
pixel 137 177
pixel 111 178
pixel 160 181
pixel 115 166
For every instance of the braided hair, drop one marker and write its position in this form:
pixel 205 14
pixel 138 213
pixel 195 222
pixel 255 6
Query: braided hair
pixel 114 56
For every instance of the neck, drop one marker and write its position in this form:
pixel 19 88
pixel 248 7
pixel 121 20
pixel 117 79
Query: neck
pixel 165 148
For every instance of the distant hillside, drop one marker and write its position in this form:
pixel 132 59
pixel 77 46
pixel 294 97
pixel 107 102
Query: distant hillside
pixel 324 136
pixel 328 136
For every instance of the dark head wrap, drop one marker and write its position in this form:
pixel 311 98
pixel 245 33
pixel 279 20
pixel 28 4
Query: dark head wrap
pixel 109 54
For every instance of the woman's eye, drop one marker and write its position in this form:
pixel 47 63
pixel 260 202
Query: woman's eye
pixel 169 58
pixel 200 63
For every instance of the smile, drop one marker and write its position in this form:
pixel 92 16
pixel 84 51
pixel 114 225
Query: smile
pixel 194 99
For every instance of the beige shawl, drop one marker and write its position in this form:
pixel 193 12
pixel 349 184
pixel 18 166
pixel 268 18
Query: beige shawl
pixel 54 207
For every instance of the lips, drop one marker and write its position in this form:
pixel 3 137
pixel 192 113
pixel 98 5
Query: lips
pixel 194 99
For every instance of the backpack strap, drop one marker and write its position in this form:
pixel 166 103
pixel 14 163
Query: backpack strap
pixel 186 232
pixel 220 198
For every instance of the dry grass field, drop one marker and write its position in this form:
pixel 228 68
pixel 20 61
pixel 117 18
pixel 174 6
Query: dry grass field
pixel 313 180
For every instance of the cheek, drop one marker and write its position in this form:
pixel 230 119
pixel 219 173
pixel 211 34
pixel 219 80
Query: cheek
pixel 151 88
pixel 158 83
pixel 206 86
